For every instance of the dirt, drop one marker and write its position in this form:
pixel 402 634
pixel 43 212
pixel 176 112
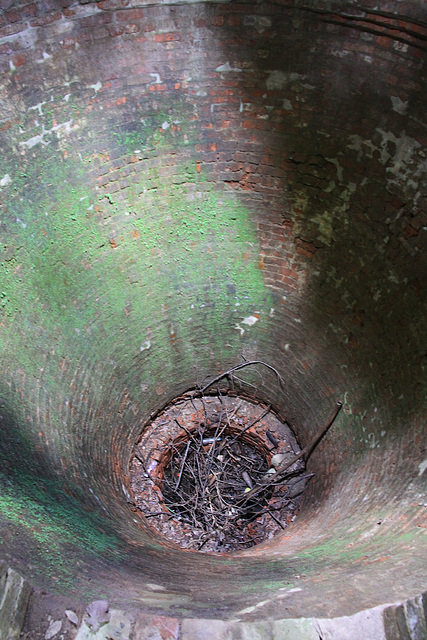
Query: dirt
pixel 44 610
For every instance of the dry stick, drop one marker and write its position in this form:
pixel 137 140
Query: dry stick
pixel 145 469
pixel 189 434
pixel 252 424
pixel 182 465
pixel 305 453
pixel 210 455
pixel 237 367
pixel 274 518
pixel 199 430
pixel 248 384
pixel 272 439
pixel 235 410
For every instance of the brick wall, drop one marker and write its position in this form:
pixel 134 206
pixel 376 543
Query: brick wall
pixel 168 172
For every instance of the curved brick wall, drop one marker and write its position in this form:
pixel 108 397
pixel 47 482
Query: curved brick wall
pixel 181 186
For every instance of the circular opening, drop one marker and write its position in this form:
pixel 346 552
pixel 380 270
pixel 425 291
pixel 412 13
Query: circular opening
pixel 217 473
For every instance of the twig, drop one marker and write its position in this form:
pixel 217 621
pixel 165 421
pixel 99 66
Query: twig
pixel 145 469
pixel 237 367
pixel 189 434
pixel 305 453
pixel 182 466
pixel 272 439
pixel 252 424
pixel 275 519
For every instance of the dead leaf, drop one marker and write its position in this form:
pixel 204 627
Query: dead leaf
pixel 98 614
pixel 72 617
pixel 53 629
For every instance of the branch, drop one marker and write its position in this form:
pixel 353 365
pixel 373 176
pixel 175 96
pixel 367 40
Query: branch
pixel 237 367
pixel 305 453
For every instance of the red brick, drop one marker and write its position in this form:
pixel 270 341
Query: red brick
pixel 416 53
pixel 131 28
pixel 98 34
pixel 167 37
pixel 233 21
pixel 217 21
pixel 129 14
pixel 11 29
pixel 106 5
pixel 383 41
pixel 30 10
pixel 19 59
pixel 70 13
pixel 13 15
pixel 42 21
pixel 115 30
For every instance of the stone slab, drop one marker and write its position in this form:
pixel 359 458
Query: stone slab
pixel 118 628
pixel 395 626
pixel 3 576
pixel 298 629
pixel 201 629
pixel 14 596
pixel 360 626
pixel 416 618
pixel 150 627
pixel 250 631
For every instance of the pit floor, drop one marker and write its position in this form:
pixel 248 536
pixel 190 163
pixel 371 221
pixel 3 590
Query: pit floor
pixel 239 429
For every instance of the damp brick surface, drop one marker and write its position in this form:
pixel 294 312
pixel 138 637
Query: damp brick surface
pixel 185 187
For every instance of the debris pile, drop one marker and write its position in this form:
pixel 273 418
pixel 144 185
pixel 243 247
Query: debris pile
pixel 197 464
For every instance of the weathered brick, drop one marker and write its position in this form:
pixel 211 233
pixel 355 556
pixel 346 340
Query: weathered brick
pixel 415 618
pixel 195 629
pixel 19 59
pixel 98 34
pixel 11 29
pixel 128 15
pixel 131 28
pixel 13 15
pixel 167 37
pixel 115 30
pixel 47 19
pixel 30 10
pixel 217 21
pixel 96 20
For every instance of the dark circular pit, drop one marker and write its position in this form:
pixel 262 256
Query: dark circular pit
pixel 197 465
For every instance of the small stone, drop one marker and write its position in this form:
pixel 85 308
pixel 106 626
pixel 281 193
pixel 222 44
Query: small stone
pixel 277 459
pixel 54 628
